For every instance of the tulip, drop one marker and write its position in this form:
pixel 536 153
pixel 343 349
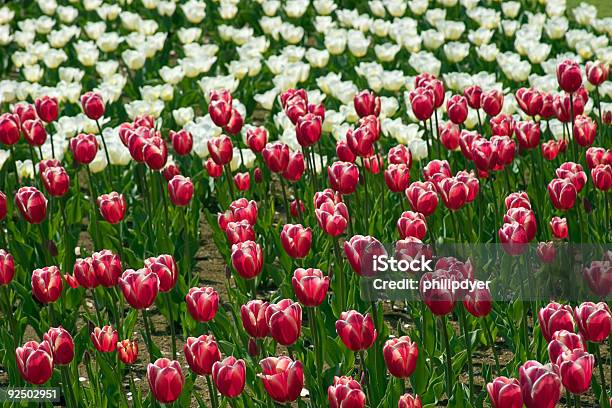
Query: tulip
pixel 576 369
pixel 492 102
pixel 356 331
pixel 400 356
pixel 397 177
pixel 399 154
pixel 422 103
pixel 253 316
pixel 530 100
pixel 598 155
pixel 256 138
pixel 242 181
pixel 550 150
pixel 180 190
pixel 361 141
pixel 221 150
pixel 559 227
pixel 528 134
pixel 594 321
pixel 229 376
pixel 71 281
pixel 473 93
pixel 24 111
pixel 555 317
pixel 318 110
pixel 457 109
pixel 343 177
pixel 505 393
pixel 62 345
pixel 310 286
pixel 569 76
pixel 84 148
pixel 247 259
pixel 165 379
pixel 564 342
pixel 466 139
pixel 93 105
pixel 257 175
pixel 276 156
pixel 360 250
pixel 155 153
pixel 112 207
pixel 548 110
pixel 437 87
pixel 56 181
pixel 366 103
pixel 562 193
pixel 454 192
pixel 540 384
pixel 3 206
pixel 284 320
pixel 409 401
pixel 105 339
pixel 140 287
pixel 505 149
pixel 344 152
pixel 484 154
pixel 34 132
pixel 47 108
pixel 435 167
pixel 10 125
pixel 164 266
pixel 597 72
pixel 201 353
pixel 282 378
pixel 235 123
pixel 127 351
pixel 562 106
pixel 346 392
pixel 240 210
pixel 296 208
pixel 220 107
pixel 295 108
pixel 202 303
pixel 308 129
pixel 599 277
pixel 439 299
pixel 422 197
pixel 520 199
pixel 136 145
pixel 602 176
pixel 214 170
pixel 412 224
pixel 239 231
pixel 107 267
pixel 546 251
pixel 35 362
pixel 7 267
pixel 182 142
pixel 478 302
pixel 332 218
pixel 296 240
pixel 585 130
pixel 449 135
pixel 47 284
pixel 295 166
pixel 525 217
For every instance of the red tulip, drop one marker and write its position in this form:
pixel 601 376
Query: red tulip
pixel 564 342
pixel 257 175
pixel 505 393
pixel 56 181
pixel 62 345
pixel 164 266
pixel 10 126
pixel 310 286
pixel 295 166
pixel 254 318
pixel 527 134
pixel 47 108
pixel 201 353
pixel 256 138
pixel 24 111
pixel 35 362
pixel 345 393
pixel 550 149
pixel 594 321
pixel 546 251
pixel 503 125
pixel 422 103
pixel 242 181
pixel 366 103
pixel 229 376
pixel 296 208
pixel 484 153
pixel 540 384
pixel 422 197
pixel 569 76
pixel 220 107
pixel 166 380
pixel 127 351
pixel 361 141
pixel 93 105
pixel 276 156
pixel 520 199
pixel 548 109
pixel 435 167
pixel 400 356
pixel 296 240
pixel 399 154
pixel 576 369
pixel 585 130
pixel 525 217
pixel 492 102
pixel 436 294
pixel 513 238
pixel 597 72
pixel 360 251
pixel 308 129
pixel 599 277
pixel 558 226
pixel 409 401
pixel 221 150
pixel 105 339
pixel 112 207
pixel 478 302
pixel 155 153
pixel 34 132
pixel 290 94
pixel 282 378
pixel 84 148
pixel 318 110
pixel 598 155
pixel 332 217
pixel 180 190
pixel 239 231
pixel 472 94
pixel 182 142
pixel 466 139
pixel 397 177
pixel 47 284
pixel 457 109
pixel 530 101
pixel 555 317
pixel 7 267
pixel 235 123
pixel 202 303
pixel 562 193
pixel 295 108
pixel 214 170
pixel 562 106
pixel 437 87
pixel 602 176
pixel 412 224
pixel 284 320
pixel 247 259
pixel 356 331
pixel 449 135
pixel 453 191
pixel 140 287
pixel 240 210
pixel 343 177
pixel 344 152
pixel 107 267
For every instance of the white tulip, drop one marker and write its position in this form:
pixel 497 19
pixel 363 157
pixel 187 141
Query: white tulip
pixel 69 74
pixel 194 11
pixel 418 7
pixel 396 8
pixel 67 14
pixel 189 35
pixel 480 37
pixel 107 68
pixel 317 58
pixel 511 8
pixel 91 5
pixel 435 17
pixel 358 44
pixel 393 80
pixel 292 34
pixel 487 52
pixel 324 23
pixel 585 14
pixel 47 6
pixel 380 28
pixel 166 8
pixel 424 61
pixel 556 27
pixel 332 119
pixel 150 4
pixel 324 7
pixel 87 53
pixel 266 99
pixel 6 15
pixel 335 41
pixel 44 24
pixel 270 7
pixel 130 21
pixel 4 156
pixel 24 38
pixel 509 27
pixel 296 8
pixel 388 106
pixel 25 169
pixel 5 35
pixel 54 58
pixel 166 92
pixel 538 52
pixel 133 59
pixel 172 75
pixel 109 12
pixel 456 51
pixel 418 148
pixel 148 27
pixel 95 30
pixel 228 10
pixel 182 116
pixel 377 8
pixel 108 42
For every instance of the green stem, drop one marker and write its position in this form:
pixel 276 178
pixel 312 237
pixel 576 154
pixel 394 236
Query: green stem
pixel 449 361
pixel 147 334
pixel 171 323
pixel 212 393
pixel 602 376
pixel 468 347
pixel 489 335
pixel 339 274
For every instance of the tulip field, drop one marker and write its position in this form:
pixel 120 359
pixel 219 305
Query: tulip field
pixel 305 203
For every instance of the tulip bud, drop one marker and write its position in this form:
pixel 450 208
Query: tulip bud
pixel 457 109
pixel 555 317
pixel 221 150
pixel 127 350
pixel 397 177
pixel 247 259
pixel 558 226
pixel 505 393
pixel 547 252
pixel 400 356
pixel 214 170
pixel 202 303
pixel 569 76
pixel 62 345
pixel 576 369
pixel 180 190
pixel 356 331
pixel 229 376
pixel 530 101
pixel 472 94
pixel 295 166
pixel 602 176
pixel 155 153
pixel 332 217
pixel 492 102
pixel 235 122
pixel 276 156
pixel 296 207
pixel 10 125
pixel 449 135
pixel 346 392
pixel 164 266
pixel 296 240
pixel 585 130
pixel 399 154
pixel 310 286
pixel 47 108
pixel 562 193
pixel 107 267
pixel 84 148
pixel 140 287
pixel 201 353
pixel 282 378
pixel 84 273
pixel 35 362
pixel 360 250
pixel 47 284
pixel 412 224
pixel 366 103
pixel 256 138
pixel 478 302
pixel 93 105
pixel 284 320
pixel 220 107
pixel 257 175
pixel 308 129
pixel 409 401
pixel 422 103
pixel 182 142
pixel 550 150
pixel 594 321
pixel 597 72
pixel 563 342
pixel 112 207
pixel 343 177
pixel 435 167
pixel 253 316
pixel 453 191
pixel 7 267
pixel 105 339
pixel 166 380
